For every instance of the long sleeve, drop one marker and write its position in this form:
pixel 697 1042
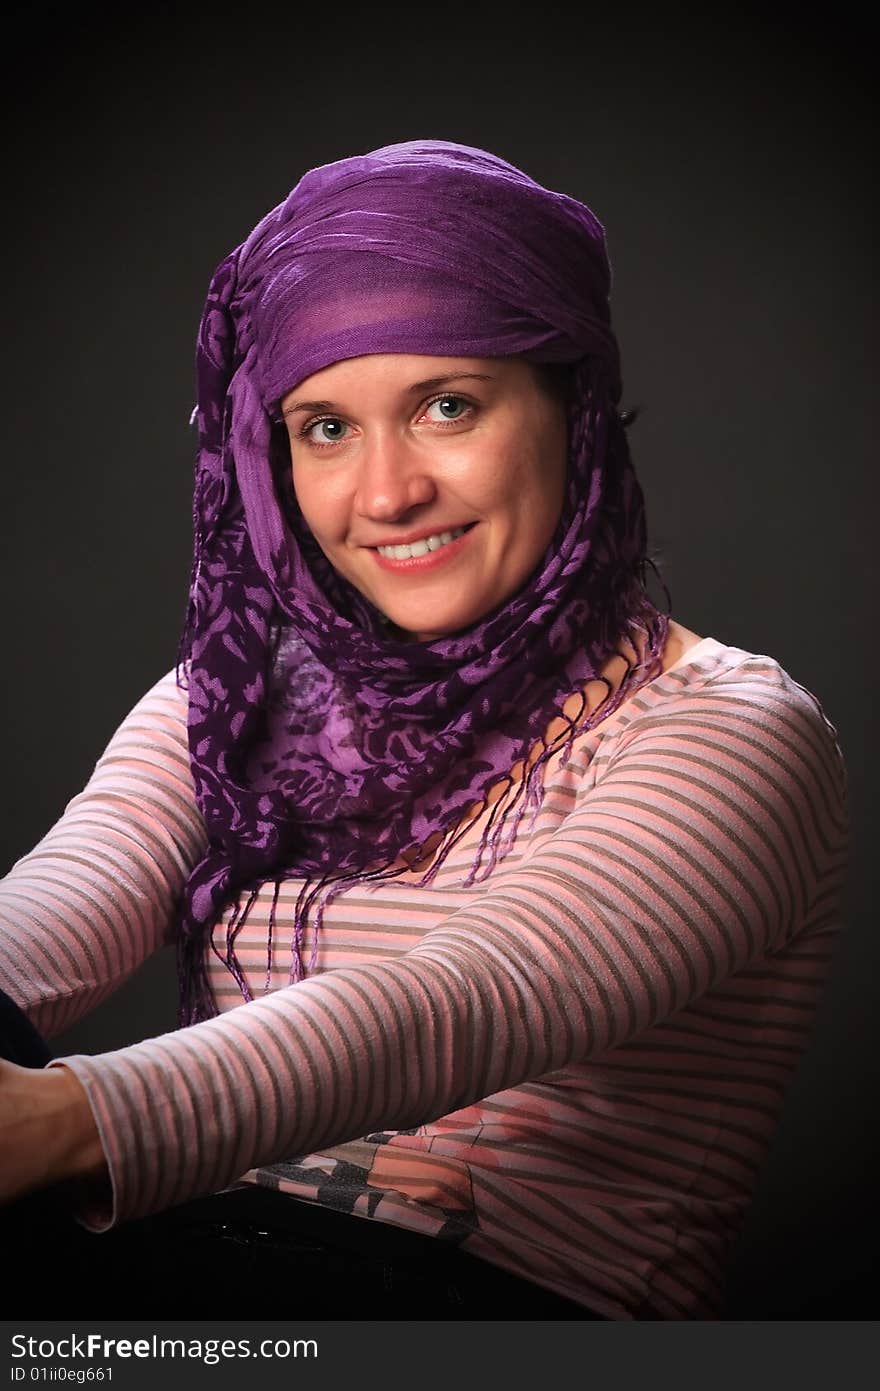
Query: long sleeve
pixel 96 896
pixel 715 834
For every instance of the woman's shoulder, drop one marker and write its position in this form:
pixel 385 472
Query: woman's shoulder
pixel 709 661
pixel 167 699
pixel 707 678
pixel 154 727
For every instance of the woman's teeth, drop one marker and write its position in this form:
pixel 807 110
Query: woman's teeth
pixel 428 543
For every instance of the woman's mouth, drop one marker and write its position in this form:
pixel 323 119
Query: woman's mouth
pixel 426 553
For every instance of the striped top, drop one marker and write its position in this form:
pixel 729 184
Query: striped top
pixel 573 1069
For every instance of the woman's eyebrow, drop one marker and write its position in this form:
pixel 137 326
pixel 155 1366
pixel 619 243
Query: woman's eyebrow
pixel 427 385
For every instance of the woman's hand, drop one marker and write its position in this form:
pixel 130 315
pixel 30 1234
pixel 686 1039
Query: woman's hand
pixel 47 1131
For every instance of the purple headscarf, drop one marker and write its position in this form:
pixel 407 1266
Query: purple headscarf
pixel 322 747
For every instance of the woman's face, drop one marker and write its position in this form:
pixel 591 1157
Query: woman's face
pixel 456 464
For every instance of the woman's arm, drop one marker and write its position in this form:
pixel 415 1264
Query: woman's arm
pixel 96 896
pixel 717 831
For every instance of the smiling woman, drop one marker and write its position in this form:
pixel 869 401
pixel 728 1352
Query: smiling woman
pixel 502 901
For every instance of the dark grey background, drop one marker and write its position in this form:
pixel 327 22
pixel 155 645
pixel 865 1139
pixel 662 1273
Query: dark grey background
pixel 729 159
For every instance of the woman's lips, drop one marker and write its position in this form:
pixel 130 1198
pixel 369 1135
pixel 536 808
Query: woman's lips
pixel 420 563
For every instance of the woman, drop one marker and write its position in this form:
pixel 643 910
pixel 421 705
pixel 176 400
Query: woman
pixel 502 900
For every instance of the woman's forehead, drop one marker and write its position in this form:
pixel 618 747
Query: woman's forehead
pixel 405 373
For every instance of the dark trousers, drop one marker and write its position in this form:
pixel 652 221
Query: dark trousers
pixel 250 1253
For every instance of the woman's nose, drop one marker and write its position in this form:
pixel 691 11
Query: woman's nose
pixel 393 479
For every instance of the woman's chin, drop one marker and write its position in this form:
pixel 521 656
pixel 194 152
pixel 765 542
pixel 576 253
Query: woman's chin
pixel 431 623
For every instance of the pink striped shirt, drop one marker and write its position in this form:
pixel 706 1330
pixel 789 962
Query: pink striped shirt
pixel 573 1069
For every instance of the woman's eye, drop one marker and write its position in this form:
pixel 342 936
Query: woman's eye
pixel 449 407
pixel 326 431
pixel 329 429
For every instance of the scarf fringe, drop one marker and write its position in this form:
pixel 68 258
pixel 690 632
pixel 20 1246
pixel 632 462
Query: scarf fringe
pixel 522 794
